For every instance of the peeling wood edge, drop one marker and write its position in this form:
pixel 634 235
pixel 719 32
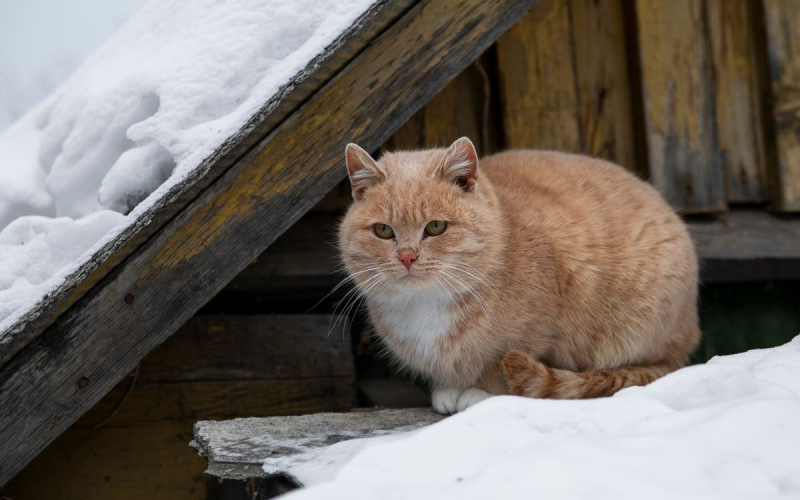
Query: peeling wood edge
pixel 319 71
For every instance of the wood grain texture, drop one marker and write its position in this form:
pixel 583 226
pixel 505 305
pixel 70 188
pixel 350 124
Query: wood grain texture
pixel 319 71
pixel 739 96
pixel 308 248
pixel 565 77
pixel 603 76
pixel 44 388
pixel 214 367
pixel 235 446
pixel 251 347
pixel 143 452
pixel 539 87
pixel 746 235
pixel 679 104
pixel 457 111
pixel 153 462
pixel 782 18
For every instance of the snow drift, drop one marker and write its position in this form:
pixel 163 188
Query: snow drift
pixel 166 91
pixel 726 429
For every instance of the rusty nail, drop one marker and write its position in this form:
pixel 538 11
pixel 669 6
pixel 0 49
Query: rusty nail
pixel 129 298
pixel 83 382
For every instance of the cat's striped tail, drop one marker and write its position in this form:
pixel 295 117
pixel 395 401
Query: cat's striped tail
pixel 528 377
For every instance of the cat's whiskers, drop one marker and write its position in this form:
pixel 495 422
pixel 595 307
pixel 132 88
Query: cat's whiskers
pixel 346 299
pixel 356 300
pixel 453 298
pixel 346 279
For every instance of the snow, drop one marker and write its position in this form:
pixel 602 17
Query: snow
pixel 43 41
pixel 727 429
pixel 139 115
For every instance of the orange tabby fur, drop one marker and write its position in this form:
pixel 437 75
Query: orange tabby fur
pixel 558 275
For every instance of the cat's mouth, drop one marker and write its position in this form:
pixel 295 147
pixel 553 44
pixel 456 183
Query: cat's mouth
pixel 412 277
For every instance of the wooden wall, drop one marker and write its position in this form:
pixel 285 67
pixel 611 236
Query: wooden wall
pixel 699 96
pixel 134 443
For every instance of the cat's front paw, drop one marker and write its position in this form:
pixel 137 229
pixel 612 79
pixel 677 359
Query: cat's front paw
pixel 471 397
pixel 445 401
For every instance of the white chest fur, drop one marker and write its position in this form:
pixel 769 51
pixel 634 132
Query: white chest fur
pixel 418 319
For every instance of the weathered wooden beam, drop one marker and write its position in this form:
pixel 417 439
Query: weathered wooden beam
pixel 747 245
pixel 603 79
pixel 319 71
pixel 214 367
pixel 677 86
pixel 247 448
pixel 538 81
pixel 45 387
pixel 565 81
pixel 738 92
pixel 746 235
pixel 782 18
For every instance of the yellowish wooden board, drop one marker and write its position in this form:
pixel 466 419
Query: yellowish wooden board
pixel 738 93
pixel 679 104
pixel 782 20
pixel 604 94
pixel 538 81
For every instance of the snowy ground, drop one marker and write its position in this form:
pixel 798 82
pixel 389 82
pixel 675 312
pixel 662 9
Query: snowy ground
pixel 159 97
pixel 727 429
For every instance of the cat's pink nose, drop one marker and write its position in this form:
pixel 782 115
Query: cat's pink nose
pixel 408 258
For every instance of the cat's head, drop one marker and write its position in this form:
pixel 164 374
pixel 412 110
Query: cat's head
pixel 420 219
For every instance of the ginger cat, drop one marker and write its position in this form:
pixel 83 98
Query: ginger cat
pixel 533 273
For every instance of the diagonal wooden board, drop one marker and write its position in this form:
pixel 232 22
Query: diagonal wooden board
pixel 142 300
pixel 318 72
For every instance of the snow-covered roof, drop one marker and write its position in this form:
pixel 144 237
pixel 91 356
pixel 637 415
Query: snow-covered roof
pixel 144 112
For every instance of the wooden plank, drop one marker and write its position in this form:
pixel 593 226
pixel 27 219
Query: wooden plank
pixel 152 403
pixel 739 95
pixel 337 199
pixel 322 69
pixel 123 463
pixel 603 79
pixel 457 111
pixel 538 81
pixel 410 135
pixel 143 451
pixel 279 443
pixel 678 91
pixel 92 346
pixel 782 18
pixel 214 367
pixel 251 347
pixel 746 235
pixel 308 248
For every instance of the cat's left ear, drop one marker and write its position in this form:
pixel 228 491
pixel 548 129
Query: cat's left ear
pixel 460 165
pixel 363 170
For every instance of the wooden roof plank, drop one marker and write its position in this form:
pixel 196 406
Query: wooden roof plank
pixel 319 71
pixel 160 285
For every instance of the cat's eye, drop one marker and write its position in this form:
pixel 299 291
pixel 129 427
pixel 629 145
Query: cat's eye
pixel 435 227
pixel 383 231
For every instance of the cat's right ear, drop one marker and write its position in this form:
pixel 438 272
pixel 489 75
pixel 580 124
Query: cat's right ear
pixel 363 171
